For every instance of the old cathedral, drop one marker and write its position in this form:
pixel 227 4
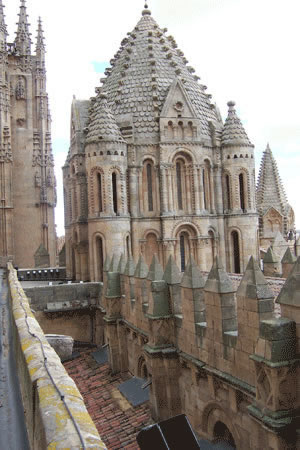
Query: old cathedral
pixel 27 182
pixel 152 168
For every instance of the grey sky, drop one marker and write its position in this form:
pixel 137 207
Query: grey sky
pixel 243 50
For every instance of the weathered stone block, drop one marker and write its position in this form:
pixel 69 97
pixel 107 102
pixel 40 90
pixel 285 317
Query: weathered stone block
pixel 277 329
pixel 283 350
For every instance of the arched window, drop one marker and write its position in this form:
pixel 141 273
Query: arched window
pixel 100 258
pixel 149 187
pixel 179 184
pixel 223 436
pixel 242 191
pixel 180 130
pixel 182 252
pixel 99 185
pixel 151 248
pixel 114 192
pixel 227 192
pixel 236 252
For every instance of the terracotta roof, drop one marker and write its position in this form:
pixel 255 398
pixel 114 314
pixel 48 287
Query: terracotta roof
pixel 116 421
pixel 142 73
pixel 233 131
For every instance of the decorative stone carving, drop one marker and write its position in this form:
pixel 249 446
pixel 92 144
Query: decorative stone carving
pixel 21 89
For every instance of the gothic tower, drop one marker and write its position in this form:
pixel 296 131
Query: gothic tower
pixel 164 175
pixel 28 193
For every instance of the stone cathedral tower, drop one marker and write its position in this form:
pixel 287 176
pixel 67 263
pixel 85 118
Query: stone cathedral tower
pixel 27 179
pixel 153 169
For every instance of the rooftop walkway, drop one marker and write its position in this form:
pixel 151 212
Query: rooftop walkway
pixel 13 434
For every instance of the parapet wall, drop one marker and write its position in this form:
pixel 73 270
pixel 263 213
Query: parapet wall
pixel 213 346
pixel 56 416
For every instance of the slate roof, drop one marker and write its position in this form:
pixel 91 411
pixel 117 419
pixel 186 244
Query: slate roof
pixel 102 125
pixel 270 192
pixel 233 131
pixel 142 72
pixel 116 420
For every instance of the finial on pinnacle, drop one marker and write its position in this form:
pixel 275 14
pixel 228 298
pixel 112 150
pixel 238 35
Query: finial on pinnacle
pixel 231 104
pixel 146 11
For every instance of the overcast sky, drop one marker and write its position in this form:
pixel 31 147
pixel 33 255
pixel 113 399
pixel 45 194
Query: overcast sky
pixel 243 50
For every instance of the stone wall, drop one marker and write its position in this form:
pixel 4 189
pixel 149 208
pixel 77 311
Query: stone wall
pixel 73 309
pixel 213 350
pixel 50 397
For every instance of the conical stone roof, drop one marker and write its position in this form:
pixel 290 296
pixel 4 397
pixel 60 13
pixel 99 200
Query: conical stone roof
pixel 270 192
pixel 142 72
pixel 233 131
pixel 102 125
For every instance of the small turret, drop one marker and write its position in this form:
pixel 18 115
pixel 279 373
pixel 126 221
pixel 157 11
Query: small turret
pixel 233 132
pixel 23 40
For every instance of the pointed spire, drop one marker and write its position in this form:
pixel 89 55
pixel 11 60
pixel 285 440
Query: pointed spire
pixel 114 264
pixel 192 277
pixel 270 192
pixel 288 257
pixel 218 280
pixel 3 28
pixel 253 284
pixel 233 131
pixel 270 256
pixel 172 273
pixel 142 269
pixel 122 264
pixel 130 267
pixel 40 45
pixel 23 40
pixel 156 272
pixel 103 125
pixel 290 293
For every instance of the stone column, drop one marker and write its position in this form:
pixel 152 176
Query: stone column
pixel 188 188
pixel 140 190
pixel 201 190
pixel 212 191
pixel 164 193
pixel 196 190
pixel 133 193
pixel 219 192
pixel 170 191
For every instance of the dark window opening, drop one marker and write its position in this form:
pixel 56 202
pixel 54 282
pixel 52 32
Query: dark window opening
pixel 149 185
pixel 228 192
pixel 128 246
pixel 99 179
pixel 182 253
pixel 236 252
pixel 115 193
pixel 179 185
pixel 242 191
pixel 223 435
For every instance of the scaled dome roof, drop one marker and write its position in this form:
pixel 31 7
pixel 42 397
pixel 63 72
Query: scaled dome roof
pixel 142 72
